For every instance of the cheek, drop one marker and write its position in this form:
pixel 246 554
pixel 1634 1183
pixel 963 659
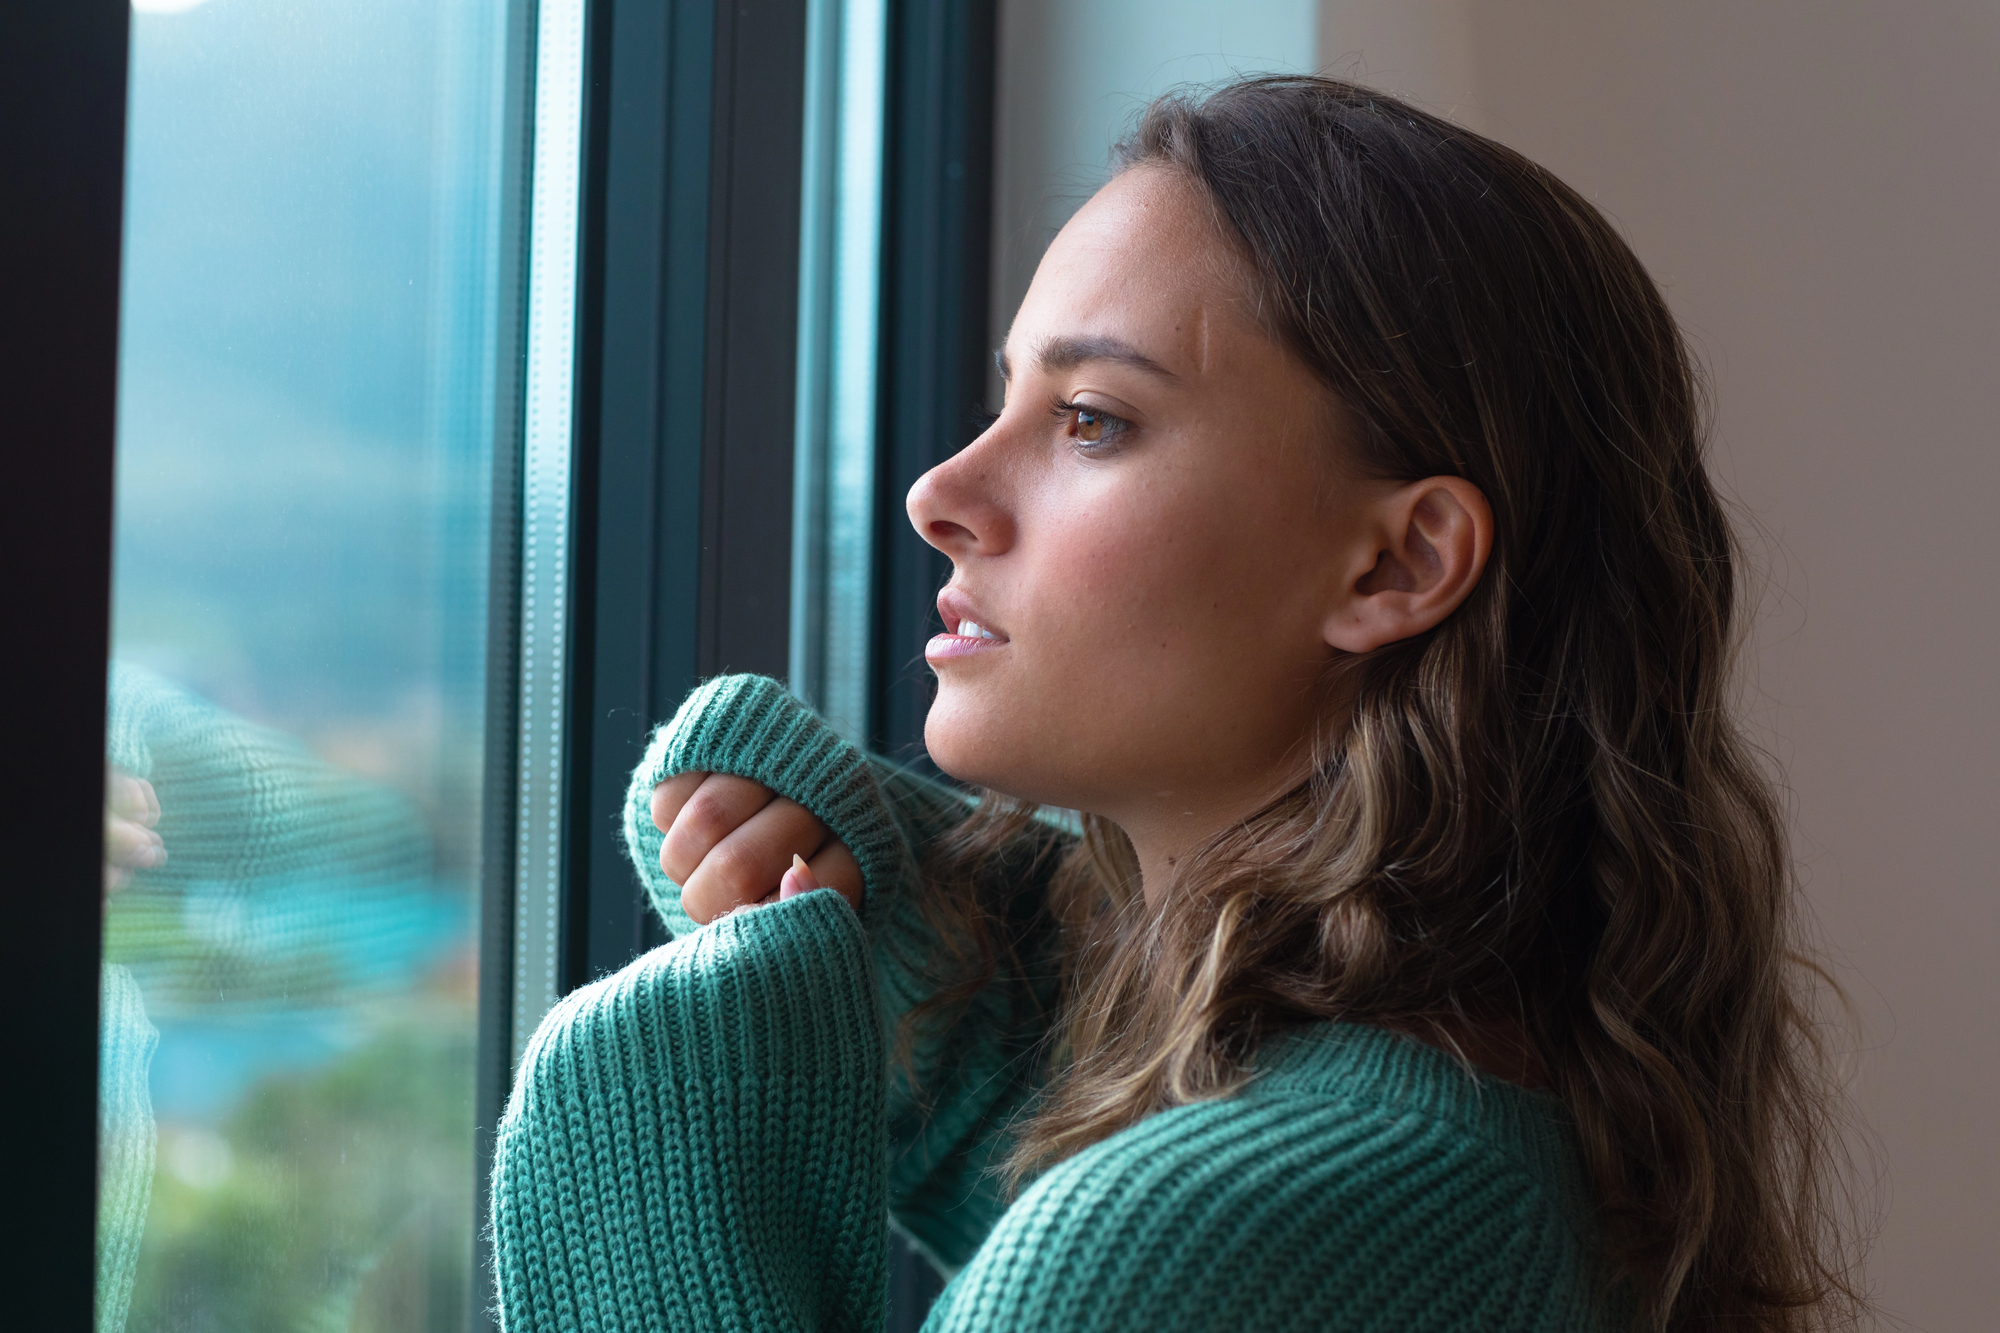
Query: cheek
pixel 1157 610
pixel 1040 721
pixel 1146 624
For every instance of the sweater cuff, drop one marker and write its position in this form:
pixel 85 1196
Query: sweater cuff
pixel 753 727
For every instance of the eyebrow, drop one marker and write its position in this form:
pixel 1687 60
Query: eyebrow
pixel 1062 353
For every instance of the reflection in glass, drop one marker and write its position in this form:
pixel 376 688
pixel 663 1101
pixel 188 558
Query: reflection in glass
pixel 307 431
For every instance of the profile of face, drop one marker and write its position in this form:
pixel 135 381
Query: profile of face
pixel 1161 544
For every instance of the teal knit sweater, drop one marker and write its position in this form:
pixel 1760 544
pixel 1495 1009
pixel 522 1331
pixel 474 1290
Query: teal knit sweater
pixel 715 1138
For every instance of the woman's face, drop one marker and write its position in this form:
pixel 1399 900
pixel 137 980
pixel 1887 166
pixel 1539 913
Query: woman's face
pixel 1154 534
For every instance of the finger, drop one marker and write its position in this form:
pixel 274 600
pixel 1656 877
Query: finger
pixel 150 816
pixel 718 807
pixel 671 795
pixel 747 865
pixel 834 867
pixel 132 798
pixel 131 846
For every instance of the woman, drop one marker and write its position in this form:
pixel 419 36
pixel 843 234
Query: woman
pixel 1345 554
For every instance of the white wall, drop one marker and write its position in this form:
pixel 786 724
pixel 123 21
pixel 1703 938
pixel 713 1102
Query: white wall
pixel 1816 183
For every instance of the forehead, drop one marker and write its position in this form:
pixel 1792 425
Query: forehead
pixel 1144 262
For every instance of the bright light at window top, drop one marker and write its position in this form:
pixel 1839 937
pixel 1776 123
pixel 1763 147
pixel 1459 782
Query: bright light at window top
pixel 165 6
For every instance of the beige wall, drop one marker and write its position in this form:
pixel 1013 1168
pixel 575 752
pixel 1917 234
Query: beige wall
pixel 1817 185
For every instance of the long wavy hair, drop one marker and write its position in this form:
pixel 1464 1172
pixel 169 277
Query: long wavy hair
pixel 1538 819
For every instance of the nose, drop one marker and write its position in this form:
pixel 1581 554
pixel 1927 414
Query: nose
pixel 957 506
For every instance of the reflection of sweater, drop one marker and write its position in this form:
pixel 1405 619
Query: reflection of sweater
pixel 712 1138
pixel 289 883
pixel 290 886
pixel 126 1038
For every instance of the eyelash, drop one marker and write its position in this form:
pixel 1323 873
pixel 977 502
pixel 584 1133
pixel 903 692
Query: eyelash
pixel 1113 427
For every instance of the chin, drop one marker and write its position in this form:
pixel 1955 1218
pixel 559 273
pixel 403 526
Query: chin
pixel 988 743
pixel 959 734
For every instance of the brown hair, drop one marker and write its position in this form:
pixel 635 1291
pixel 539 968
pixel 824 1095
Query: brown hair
pixel 1539 817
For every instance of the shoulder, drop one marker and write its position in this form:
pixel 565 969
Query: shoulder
pixel 1298 1204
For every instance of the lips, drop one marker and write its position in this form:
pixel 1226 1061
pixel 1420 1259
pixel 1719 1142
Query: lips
pixel 958 612
pixel 968 633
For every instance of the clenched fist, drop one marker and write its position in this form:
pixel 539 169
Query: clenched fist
pixel 735 843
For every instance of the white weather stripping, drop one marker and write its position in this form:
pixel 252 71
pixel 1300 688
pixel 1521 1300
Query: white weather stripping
pixel 548 416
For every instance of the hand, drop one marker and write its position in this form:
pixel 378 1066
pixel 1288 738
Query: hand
pixel 130 811
pixel 734 843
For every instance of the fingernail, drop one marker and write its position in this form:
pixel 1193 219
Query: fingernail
pixel 799 879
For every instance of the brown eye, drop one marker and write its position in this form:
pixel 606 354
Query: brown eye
pixel 1089 425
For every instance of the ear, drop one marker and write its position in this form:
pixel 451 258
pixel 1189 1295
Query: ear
pixel 1417 553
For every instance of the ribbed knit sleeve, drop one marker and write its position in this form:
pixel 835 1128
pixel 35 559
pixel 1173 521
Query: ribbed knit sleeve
pixel 697 1141
pixel 715 1137
pixel 949 1111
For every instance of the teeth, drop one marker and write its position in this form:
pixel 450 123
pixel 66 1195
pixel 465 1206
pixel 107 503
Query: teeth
pixel 968 630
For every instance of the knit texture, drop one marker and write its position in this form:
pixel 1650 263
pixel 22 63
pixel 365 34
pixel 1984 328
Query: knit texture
pixel 1363 1182
pixel 323 877
pixel 125 1141
pixel 696 1142
pixel 752 727
pixel 714 1138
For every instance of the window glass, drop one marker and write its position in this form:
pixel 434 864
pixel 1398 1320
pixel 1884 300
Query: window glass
pixel 311 409
pixel 839 310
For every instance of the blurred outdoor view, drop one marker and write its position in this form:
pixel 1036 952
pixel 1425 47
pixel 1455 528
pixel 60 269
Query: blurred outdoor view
pixel 307 429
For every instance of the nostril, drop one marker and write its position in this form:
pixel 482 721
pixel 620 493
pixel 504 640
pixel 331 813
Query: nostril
pixel 942 530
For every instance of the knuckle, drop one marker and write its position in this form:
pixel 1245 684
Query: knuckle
pixel 731 868
pixel 671 793
pixel 707 819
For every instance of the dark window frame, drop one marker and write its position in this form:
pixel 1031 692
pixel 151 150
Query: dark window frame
pixel 936 253
pixel 687 318
pixel 688 373
pixel 937 231
pixel 62 99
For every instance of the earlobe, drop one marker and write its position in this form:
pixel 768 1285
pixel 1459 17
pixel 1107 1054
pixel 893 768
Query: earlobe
pixel 1420 551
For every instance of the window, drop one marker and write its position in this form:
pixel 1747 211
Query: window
pixel 469 358
pixel 457 369
pixel 315 487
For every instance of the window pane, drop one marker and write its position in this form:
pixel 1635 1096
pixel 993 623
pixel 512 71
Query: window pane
pixel 840 228
pixel 310 405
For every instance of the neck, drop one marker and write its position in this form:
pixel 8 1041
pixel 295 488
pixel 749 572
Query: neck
pixel 1162 844
pixel 1176 826
pixel 1156 870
